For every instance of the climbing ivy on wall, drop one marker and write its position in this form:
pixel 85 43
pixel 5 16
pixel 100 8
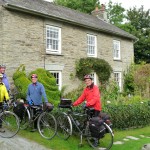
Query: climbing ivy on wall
pixel 88 65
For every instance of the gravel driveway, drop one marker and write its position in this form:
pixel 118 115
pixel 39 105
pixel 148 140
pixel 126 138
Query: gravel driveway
pixel 19 143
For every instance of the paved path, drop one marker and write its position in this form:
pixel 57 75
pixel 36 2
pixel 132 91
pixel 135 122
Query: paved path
pixel 19 143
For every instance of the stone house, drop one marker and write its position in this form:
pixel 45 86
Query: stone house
pixel 41 34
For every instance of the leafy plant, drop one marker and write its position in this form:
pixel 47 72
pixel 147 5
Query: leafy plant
pixel 88 65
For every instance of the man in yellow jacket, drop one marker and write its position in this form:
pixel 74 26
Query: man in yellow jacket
pixel 3 96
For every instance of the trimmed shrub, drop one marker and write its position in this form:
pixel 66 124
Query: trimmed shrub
pixel 21 82
pixel 129 116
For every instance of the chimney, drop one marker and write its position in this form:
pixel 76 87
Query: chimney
pixel 100 13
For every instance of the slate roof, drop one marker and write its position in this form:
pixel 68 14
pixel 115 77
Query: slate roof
pixel 51 10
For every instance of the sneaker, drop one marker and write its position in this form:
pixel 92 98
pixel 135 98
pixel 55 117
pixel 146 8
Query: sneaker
pixel 2 130
pixel 33 130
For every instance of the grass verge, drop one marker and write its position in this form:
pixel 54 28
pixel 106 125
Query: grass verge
pixel 73 142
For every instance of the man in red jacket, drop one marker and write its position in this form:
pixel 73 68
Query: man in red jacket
pixel 91 95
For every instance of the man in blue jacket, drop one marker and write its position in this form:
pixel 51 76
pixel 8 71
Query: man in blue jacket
pixel 35 93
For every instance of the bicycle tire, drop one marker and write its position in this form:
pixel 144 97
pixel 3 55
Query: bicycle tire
pixel 10 124
pixel 105 142
pixel 24 121
pixel 47 125
pixel 64 126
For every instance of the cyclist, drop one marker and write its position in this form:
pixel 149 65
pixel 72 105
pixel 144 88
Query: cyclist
pixel 4 79
pixel 91 95
pixel 3 96
pixel 35 93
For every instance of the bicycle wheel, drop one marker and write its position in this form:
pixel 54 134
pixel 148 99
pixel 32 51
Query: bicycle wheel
pixel 24 121
pixel 47 125
pixel 64 126
pixel 103 143
pixel 10 124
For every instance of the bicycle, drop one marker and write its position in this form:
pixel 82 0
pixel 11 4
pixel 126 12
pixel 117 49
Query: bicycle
pixel 68 118
pixel 46 122
pixel 10 122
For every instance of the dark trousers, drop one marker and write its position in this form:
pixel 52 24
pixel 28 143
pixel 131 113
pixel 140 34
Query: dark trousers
pixel 96 113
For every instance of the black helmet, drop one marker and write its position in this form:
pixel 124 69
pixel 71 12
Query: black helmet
pixel 88 77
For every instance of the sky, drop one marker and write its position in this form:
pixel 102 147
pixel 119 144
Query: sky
pixel 130 3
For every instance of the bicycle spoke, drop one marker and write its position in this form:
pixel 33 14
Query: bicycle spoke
pixel 10 124
pixel 104 142
pixel 47 125
pixel 64 126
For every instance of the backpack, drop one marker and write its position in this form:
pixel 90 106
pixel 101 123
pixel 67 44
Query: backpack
pixel 106 118
pixel 19 110
pixel 96 127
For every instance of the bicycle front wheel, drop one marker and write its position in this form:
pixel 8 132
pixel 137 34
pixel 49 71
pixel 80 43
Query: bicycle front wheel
pixel 47 125
pixel 105 141
pixel 10 124
pixel 64 126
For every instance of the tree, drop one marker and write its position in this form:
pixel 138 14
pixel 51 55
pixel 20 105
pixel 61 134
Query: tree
pixel 86 6
pixel 140 20
pixel 136 22
pixel 115 13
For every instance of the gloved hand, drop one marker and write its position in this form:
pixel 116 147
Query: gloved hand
pixel 30 102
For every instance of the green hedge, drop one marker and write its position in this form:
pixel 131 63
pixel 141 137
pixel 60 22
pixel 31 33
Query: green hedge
pixel 21 81
pixel 129 116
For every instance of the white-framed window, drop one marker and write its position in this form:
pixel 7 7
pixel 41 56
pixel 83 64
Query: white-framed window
pixel 117 78
pixel 53 39
pixel 116 50
pixel 58 76
pixel 94 78
pixel 91 45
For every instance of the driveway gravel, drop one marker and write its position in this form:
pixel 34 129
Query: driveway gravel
pixel 19 143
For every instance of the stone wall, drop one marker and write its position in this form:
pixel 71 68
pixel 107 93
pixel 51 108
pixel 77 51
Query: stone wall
pixel 24 43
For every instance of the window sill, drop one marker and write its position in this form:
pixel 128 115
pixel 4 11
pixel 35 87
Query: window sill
pixel 117 60
pixel 56 54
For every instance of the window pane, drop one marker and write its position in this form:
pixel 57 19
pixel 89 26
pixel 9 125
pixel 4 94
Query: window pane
pixel 116 51
pixel 91 45
pixel 53 39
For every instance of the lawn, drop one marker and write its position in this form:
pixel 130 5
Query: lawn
pixel 73 141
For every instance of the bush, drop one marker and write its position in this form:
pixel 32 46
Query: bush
pixel 21 82
pixel 89 65
pixel 129 116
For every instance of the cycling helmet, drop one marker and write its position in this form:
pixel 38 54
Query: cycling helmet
pixel 88 77
pixel 2 66
pixel 34 76
pixel 1 75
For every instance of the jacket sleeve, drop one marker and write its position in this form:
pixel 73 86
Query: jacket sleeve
pixel 43 93
pixel 28 94
pixel 6 94
pixel 95 97
pixel 80 99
